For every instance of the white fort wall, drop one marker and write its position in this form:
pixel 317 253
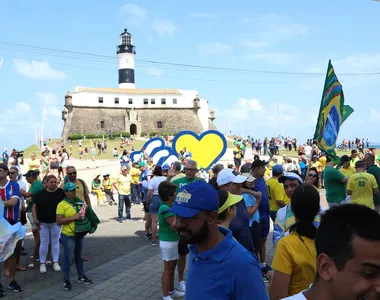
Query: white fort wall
pixel 91 99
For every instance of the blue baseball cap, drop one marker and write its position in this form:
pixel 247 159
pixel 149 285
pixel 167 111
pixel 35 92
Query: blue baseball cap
pixel 194 198
pixel 69 186
pixel 278 169
pixel 165 167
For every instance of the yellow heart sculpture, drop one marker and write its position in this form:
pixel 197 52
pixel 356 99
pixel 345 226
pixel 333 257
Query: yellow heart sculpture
pixel 206 149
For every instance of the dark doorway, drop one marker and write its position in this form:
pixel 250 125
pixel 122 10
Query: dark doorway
pixel 133 129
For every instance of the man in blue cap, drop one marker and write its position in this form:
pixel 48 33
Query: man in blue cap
pixel 219 267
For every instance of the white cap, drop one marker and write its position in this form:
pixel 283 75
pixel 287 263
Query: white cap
pixel 229 175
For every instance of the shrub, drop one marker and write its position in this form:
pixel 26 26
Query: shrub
pixel 123 133
pixel 75 137
pixel 143 134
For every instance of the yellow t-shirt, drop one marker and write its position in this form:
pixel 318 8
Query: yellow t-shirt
pixel 34 164
pixel 323 161
pixel 297 258
pixel 67 210
pixel 135 173
pixel 347 172
pixel 238 152
pixel 318 166
pixel 82 189
pixel 275 192
pixel 361 185
pixel 124 184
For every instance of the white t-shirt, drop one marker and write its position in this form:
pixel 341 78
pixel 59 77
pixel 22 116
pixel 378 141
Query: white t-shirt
pixel 298 296
pixel 308 150
pixel 154 183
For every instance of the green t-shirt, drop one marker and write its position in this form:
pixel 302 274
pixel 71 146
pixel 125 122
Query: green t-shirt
pixel 180 182
pixel 35 188
pixel 335 189
pixel 375 171
pixel 166 233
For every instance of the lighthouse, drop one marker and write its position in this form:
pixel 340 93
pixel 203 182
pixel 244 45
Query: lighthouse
pixel 126 53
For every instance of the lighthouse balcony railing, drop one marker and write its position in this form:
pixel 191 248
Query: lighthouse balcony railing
pixel 126 49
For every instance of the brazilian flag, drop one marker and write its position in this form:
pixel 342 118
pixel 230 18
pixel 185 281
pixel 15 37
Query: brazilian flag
pixel 332 114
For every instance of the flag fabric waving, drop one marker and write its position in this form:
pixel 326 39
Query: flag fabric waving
pixel 332 114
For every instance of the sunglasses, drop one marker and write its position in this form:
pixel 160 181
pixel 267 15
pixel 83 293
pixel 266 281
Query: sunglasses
pixel 72 173
pixel 191 170
pixel 312 175
pixel 11 173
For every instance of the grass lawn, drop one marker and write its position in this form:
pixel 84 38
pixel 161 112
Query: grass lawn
pixel 110 145
pixel 75 152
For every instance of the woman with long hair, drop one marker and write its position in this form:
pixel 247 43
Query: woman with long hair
pixel 65 163
pixel 53 162
pixel 313 178
pixel 294 262
pixel 154 200
pixel 44 165
pixel 169 239
pixel 44 215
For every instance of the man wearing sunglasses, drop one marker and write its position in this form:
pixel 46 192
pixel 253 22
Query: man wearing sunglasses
pixel 285 218
pixel 82 189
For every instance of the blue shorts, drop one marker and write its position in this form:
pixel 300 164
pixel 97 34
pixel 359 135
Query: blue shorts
pixel 264 227
pixel 154 204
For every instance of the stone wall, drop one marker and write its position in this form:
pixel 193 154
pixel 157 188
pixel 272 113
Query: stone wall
pixel 211 125
pixel 85 120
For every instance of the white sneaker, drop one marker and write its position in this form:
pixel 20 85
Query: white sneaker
pixel 56 267
pixel 181 286
pixel 176 294
pixel 167 298
pixel 43 269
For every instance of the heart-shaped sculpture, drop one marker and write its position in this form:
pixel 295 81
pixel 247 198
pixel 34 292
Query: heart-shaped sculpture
pixel 157 151
pixel 206 149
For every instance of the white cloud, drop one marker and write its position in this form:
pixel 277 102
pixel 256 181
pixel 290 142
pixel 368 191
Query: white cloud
pixel 278 58
pixel 280 27
pixel 257 118
pixel 374 115
pixel 204 15
pixel 49 98
pixel 252 104
pixel 154 72
pixel 164 28
pixel 271 29
pixel 37 70
pixel 213 48
pixel 254 44
pixel 134 13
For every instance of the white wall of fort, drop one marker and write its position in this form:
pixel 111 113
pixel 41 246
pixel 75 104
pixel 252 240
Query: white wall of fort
pixel 184 99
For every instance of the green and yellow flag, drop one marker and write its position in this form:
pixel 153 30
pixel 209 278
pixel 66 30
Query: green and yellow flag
pixel 332 114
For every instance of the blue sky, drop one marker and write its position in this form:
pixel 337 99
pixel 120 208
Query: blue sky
pixel 277 36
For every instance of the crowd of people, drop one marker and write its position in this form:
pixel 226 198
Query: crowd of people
pixel 221 219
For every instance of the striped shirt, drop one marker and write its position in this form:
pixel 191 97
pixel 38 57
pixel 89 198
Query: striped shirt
pixel 10 190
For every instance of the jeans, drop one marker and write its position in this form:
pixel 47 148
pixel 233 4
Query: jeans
pixel 49 234
pixel 72 245
pixel 110 193
pixel 135 194
pixel 124 200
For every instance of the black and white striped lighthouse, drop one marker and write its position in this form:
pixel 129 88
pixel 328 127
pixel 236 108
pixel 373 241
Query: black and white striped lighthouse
pixel 126 53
